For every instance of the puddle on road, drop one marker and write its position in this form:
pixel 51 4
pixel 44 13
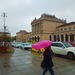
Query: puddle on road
pixel 6 64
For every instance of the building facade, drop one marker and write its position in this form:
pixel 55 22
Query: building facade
pixel 45 27
pixel 66 32
pixel 19 35
pixel 23 36
pixel 6 33
pixel 26 37
pixel 49 27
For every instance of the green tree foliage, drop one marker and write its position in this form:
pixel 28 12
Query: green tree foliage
pixel 13 38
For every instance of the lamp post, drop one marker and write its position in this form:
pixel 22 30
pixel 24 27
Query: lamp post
pixel 4 15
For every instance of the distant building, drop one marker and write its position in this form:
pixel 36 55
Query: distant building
pixel 6 33
pixel 5 36
pixel 22 36
pixel 26 37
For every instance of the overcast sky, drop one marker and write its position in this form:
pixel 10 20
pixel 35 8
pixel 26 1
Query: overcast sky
pixel 20 13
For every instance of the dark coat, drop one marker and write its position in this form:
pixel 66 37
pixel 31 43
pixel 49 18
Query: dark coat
pixel 47 60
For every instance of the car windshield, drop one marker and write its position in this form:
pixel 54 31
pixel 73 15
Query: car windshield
pixel 67 44
pixel 27 44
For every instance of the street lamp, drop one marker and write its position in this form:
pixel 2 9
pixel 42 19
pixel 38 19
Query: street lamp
pixel 4 15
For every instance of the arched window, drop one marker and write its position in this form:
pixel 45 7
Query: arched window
pixel 32 38
pixel 38 38
pixel 54 37
pixel 62 37
pixel 35 38
pixel 66 38
pixel 71 37
pixel 50 37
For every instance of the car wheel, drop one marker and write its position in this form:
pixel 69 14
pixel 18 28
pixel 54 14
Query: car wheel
pixel 21 47
pixel 30 49
pixel 70 55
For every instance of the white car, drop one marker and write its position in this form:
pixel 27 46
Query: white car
pixel 63 48
pixel 26 46
pixel 17 44
pixel 13 44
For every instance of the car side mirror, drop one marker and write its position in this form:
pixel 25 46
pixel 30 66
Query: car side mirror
pixel 63 47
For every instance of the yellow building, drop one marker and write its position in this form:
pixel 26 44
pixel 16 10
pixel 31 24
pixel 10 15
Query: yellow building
pixel 45 27
pixel 49 27
pixel 23 36
pixel 66 32
pixel 26 37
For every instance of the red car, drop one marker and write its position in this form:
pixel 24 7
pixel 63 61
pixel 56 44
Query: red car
pixel 72 43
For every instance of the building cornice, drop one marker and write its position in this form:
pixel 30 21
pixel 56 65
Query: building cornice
pixel 49 18
pixel 66 24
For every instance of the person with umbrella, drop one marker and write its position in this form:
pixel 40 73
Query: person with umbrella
pixel 47 62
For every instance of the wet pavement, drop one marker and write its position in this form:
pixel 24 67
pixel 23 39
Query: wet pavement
pixel 24 62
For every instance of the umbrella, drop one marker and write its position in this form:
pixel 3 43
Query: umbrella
pixel 42 44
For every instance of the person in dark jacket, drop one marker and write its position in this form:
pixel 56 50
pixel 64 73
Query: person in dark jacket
pixel 47 63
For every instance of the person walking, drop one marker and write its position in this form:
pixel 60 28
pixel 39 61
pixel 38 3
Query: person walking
pixel 47 62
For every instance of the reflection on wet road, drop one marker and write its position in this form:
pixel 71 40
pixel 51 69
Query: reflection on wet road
pixel 24 62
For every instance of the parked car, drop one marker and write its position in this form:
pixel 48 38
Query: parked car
pixel 26 45
pixel 18 44
pixel 63 48
pixel 72 43
pixel 12 44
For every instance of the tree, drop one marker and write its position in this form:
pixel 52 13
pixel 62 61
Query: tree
pixel 13 38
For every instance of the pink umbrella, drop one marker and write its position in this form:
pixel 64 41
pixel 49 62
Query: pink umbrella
pixel 42 44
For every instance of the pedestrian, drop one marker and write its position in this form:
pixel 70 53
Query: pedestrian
pixel 47 62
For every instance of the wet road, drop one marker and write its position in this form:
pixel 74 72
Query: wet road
pixel 24 62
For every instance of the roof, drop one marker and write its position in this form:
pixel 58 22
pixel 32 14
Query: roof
pixel 22 31
pixel 47 15
pixel 5 33
pixel 50 17
pixel 66 24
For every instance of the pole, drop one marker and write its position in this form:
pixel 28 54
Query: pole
pixel 4 15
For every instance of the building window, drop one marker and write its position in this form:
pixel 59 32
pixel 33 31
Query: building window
pixel 38 38
pixel 62 37
pixel 50 37
pixel 61 29
pixel 66 38
pixel 54 37
pixel 57 29
pixel 65 29
pixel 69 28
